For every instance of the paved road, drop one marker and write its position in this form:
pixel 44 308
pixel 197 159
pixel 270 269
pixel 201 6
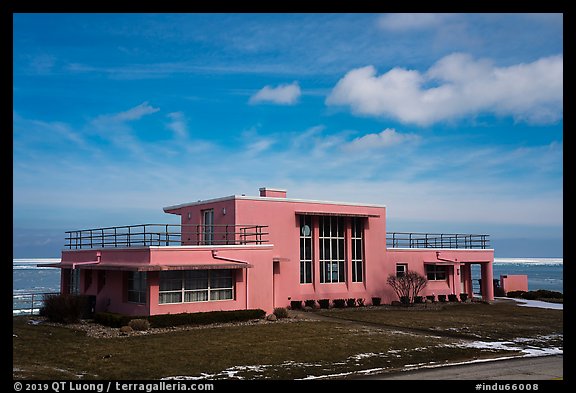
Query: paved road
pixel 535 368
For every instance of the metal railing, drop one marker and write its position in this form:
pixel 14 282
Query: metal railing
pixel 436 240
pixel 165 235
pixel 29 303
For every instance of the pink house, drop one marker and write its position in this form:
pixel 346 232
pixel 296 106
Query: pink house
pixel 246 252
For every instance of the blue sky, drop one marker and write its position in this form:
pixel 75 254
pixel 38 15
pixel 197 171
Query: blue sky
pixel 453 121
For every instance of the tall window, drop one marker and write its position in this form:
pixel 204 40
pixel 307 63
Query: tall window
pixel 185 286
pixel 332 255
pixel 208 226
pixel 357 250
pixel 75 281
pixel 435 272
pixel 305 249
pixel 136 287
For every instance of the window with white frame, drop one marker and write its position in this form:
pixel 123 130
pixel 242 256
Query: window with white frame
pixel 357 249
pixel 435 272
pixel 186 286
pixel 401 269
pixel 305 249
pixel 136 287
pixel 332 250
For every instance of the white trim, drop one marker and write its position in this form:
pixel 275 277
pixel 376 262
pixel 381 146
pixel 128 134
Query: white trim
pixel 270 199
pixel 436 249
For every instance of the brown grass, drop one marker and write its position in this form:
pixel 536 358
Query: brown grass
pixel 349 341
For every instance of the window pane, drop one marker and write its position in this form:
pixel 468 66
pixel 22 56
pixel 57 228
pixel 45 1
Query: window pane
pixel 196 296
pixel 334 254
pixel 221 294
pixel 221 279
pixel 334 267
pixel 327 253
pixel 360 274
pixel 170 285
pixel 357 249
pixel 170 297
pixel 196 279
pixel 308 272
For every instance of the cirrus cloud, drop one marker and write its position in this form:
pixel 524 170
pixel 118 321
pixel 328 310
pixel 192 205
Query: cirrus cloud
pixel 454 87
pixel 387 138
pixel 285 94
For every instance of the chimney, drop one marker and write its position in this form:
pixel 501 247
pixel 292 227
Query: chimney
pixel 272 192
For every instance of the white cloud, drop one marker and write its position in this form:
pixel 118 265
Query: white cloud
pixel 388 137
pixel 286 94
pixel 178 124
pixel 456 86
pixel 135 113
pixel 408 21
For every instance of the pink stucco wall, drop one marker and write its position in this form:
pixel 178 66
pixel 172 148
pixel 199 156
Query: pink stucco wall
pixel 514 282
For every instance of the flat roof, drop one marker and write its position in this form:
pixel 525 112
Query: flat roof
pixel 270 199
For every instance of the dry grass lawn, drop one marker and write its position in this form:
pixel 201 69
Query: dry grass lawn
pixel 342 341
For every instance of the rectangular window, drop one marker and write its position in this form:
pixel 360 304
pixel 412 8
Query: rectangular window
pixel 187 286
pixel 221 285
pixel 305 249
pixel 137 287
pixel 401 269
pixel 357 250
pixel 75 281
pixel 332 255
pixel 208 226
pixel 435 272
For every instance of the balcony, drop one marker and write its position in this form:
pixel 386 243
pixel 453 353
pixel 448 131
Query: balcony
pixel 145 235
pixel 436 240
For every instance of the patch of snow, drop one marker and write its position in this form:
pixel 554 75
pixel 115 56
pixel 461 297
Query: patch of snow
pixel 526 350
pixel 538 304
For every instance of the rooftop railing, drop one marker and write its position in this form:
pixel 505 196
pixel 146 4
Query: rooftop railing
pixel 144 235
pixel 436 240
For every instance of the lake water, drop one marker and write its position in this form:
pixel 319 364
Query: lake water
pixel 543 273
